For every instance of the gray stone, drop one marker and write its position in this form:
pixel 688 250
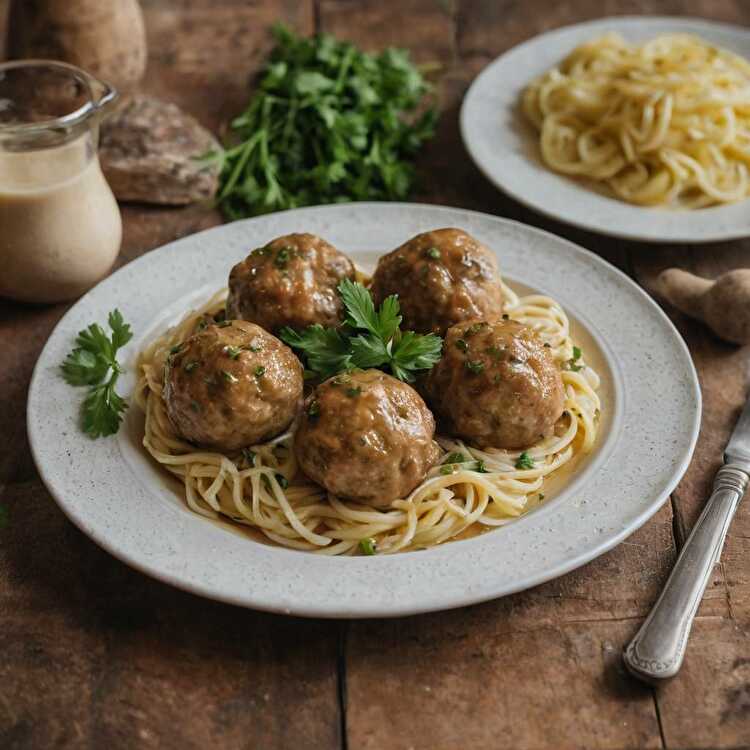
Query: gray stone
pixel 149 152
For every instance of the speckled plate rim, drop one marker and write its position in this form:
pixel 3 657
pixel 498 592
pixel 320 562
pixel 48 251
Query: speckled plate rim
pixel 105 493
pixel 504 146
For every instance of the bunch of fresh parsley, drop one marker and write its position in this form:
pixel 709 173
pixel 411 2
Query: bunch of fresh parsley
pixel 93 363
pixel 369 338
pixel 328 123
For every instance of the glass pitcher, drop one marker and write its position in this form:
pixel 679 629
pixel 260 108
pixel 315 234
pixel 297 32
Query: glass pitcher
pixel 60 227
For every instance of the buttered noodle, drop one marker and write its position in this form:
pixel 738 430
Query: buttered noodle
pixel 663 123
pixel 247 487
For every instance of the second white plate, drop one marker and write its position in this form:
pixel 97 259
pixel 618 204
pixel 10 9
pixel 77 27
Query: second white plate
pixel 504 145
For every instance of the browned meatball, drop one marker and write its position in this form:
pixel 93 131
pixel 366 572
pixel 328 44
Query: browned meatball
pixel 291 281
pixel 441 278
pixel 232 385
pixel 366 436
pixel 496 385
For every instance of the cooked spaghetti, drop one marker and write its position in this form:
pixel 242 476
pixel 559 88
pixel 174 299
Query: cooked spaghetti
pixel 262 488
pixel 662 123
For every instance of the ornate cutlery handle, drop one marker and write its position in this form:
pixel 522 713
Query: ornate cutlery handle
pixel 657 650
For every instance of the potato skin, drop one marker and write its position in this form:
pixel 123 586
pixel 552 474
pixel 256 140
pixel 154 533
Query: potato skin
pixel 291 281
pixel 441 278
pixel 496 385
pixel 232 385
pixel 366 436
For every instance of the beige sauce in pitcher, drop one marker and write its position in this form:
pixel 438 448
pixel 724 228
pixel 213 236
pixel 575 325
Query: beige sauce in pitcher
pixel 60 227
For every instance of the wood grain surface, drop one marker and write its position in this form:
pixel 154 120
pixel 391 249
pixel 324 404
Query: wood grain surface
pixel 95 655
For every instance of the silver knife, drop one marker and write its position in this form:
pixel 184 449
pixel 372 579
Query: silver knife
pixel 658 648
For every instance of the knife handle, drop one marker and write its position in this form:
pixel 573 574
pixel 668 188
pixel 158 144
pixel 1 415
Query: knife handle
pixel 658 648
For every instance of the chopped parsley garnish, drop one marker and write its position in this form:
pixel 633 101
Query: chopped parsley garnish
pixel 525 461
pixel 572 363
pixel 353 392
pixel 433 253
pixel 367 546
pixel 233 352
pixel 280 478
pixel 481 468
pixel 447 469
pixel 260 371
pixel 88 364
pixel 251 348
pixel 327 123
pixel 313 410
pixel 455 458
pixel 474 366
pixel 474 328
pixel 495 352
pixel 282 257
pixel 370 338
pixel 462 345
pixel 229 377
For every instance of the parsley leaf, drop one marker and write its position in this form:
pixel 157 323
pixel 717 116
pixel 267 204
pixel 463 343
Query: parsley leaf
pixel 88 364
pixel 414 352
pixel 360 309
pixel 327 350
pixel 102 410
pixel 369 351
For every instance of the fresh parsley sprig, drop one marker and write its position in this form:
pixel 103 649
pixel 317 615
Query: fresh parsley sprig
pixel 327 123
pixel 370 338
pixel 93 363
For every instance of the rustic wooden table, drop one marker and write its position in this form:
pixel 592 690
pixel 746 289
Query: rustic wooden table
pixel 95 655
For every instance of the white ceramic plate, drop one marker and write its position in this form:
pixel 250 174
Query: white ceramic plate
pixel 115 494
pixel 504 145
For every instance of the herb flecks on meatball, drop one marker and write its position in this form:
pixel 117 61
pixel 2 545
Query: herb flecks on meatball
pixel 496 385
pixel 441 278
pixel 291 281
pixel 366 436
pixel 230 385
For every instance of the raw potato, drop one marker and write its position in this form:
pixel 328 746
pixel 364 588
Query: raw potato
pixel 149 153
pixel 106 38
pixel 724 304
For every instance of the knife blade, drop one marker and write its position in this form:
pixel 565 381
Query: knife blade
pixel 737 451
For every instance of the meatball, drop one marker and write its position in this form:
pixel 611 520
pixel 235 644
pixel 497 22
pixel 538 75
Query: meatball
pixel 291 281
pixel 231 385
pixel 496 385
pixel 441 278
pixel 366 436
